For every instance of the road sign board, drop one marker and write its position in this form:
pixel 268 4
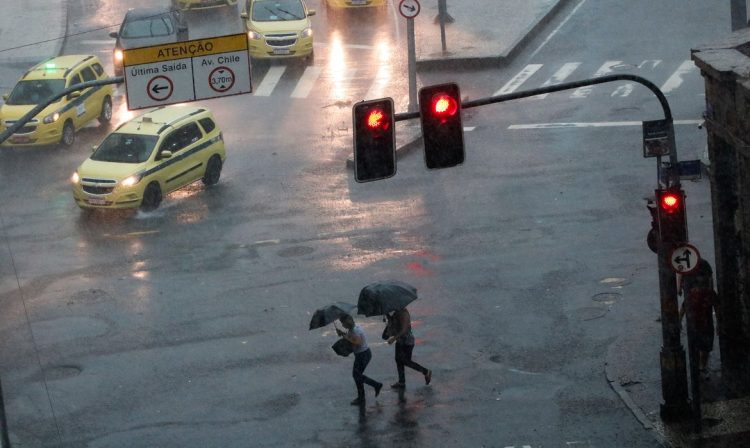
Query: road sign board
pixel 684 259
pixel 409 8
pixel 187 71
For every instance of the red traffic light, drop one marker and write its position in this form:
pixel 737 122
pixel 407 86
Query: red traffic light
pixel 376 119
pixel 670 202
pixel 444 105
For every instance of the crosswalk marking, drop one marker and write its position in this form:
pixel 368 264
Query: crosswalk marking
pixel 583 92
pixel 270 80
pixel 675 80
pixel 380 83
pixel 559 76
pixel 306 82
pixel 519 79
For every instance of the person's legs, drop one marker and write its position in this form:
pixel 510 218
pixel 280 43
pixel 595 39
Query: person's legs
pixel 407 361
pixel 361 360
pixel 400 366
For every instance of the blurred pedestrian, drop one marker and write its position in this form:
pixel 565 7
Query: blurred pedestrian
pixel 398 330
pixel 699 303
pixel 362 357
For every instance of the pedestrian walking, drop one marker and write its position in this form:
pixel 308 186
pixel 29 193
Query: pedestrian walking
pixel 362 357
pixel 398 330
pixel 699 303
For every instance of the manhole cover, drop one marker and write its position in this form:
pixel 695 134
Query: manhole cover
pixel 589 313
pixel 607 298
pixel 614 281
pixel 295 251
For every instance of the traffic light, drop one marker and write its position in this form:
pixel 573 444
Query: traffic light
pixel 670 205
pixel 442 130
pixel 374 140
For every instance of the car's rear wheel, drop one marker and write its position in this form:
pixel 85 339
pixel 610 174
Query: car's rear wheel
pixel 151 197
pixel 213 171
pixel 68 134
pixel 105 116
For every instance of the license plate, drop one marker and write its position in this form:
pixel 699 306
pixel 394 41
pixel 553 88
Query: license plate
pixel 97 201
pixel 359 2
pixel 280 51
pixel 20 140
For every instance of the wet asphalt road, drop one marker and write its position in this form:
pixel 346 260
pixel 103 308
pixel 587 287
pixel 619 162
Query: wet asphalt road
pixel 187 326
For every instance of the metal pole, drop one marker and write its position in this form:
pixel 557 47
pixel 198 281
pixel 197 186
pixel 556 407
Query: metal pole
pixel 695 385
pixel 442 12
pixel 412 65
pixel 4 437
pixel 738 10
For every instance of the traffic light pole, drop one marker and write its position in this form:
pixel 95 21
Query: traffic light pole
pixel 672 357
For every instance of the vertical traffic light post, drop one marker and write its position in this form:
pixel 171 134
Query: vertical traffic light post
pixel 439 111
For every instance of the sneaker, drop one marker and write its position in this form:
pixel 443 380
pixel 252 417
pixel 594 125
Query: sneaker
pixel 428 377
pixel 357 402
pixel 398 385
pixel 377 389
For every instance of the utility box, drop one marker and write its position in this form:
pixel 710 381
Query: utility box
pixel 725 67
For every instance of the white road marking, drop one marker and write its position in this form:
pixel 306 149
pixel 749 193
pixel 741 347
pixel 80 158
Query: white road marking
pixel 583 92
pixel 623 90
pixel 559 76
pixel 675 80
pixel 380 83
pixel 652 62
pixel 306 82
pixel 592 124
pixel 351 46
pixel 519 79
pixel 270 80
pixel 552 34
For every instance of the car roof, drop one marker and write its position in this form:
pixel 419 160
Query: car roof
pixel 158 120
pixel 59 67
pixel 144 13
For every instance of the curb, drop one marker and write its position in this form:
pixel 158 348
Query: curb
pixel 501 59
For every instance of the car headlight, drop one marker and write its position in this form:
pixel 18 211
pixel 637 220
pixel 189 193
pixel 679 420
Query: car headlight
pixel 51 118
pixel 307 32
pixel 118 55
pixel 131 180
pixel 253 35
pixel 75 178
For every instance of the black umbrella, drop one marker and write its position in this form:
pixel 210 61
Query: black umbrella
pixel 327 314
pixel 383 297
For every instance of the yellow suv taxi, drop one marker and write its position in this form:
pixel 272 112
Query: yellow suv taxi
pixel 201 4
pixel 59 121
pixel 354 3
pixel 278 29
pixel 149 156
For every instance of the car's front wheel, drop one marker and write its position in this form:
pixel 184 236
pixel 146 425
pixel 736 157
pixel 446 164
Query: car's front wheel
pixel 106 114
pixel 213 171
pixel 68 134
pixel 151 197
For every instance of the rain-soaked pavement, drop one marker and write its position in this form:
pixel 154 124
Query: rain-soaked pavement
pixel 188 326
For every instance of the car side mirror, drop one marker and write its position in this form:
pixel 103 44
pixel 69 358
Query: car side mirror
pixel 113 35
pixel 74 95
pixel 5 97
pixel 94 148
pixel 182 29
pixel 311 12
pixel 244 15
pixel 165 155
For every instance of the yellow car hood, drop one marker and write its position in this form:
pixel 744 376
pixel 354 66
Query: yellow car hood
pixel 279 26
pixel 8 112
pixel 95 169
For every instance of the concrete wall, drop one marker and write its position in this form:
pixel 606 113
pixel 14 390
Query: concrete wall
pixel 725 67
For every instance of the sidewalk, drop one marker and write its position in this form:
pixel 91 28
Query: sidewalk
pixel 22 24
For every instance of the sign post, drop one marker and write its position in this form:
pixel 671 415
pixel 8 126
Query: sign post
pixel 410 9
pixel 187 71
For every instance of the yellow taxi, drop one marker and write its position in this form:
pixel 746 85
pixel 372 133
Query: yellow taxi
pixel 59 121
pixel 149 156
pixel 354 3
pixel 278 29
pixel 201 4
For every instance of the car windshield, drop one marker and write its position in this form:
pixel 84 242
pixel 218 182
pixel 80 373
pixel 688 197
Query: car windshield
pixel 125 148
pixel 35 91
pixel 151 27
pixel 273 10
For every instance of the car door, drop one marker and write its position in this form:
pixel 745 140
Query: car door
pixel 183 166
pixel 93 97
pixel 77 105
